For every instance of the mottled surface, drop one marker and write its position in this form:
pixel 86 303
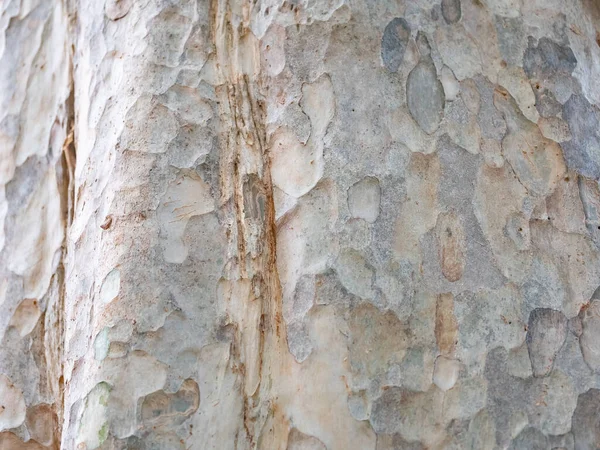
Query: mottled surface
pixel 34 175
pixel 300 225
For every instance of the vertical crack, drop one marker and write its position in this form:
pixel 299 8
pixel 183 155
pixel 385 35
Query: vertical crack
pixel 247 198
pixel 55 315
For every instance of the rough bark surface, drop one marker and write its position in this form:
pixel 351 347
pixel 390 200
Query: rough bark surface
pixel 332 224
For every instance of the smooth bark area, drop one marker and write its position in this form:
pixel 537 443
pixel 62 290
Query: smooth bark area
pixel 331 224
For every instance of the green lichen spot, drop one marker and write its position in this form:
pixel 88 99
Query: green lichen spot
pixel 103 433
pixel 104 393
pixel 93 425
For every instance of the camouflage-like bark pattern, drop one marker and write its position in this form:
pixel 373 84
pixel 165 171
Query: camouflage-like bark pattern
pixel 305 224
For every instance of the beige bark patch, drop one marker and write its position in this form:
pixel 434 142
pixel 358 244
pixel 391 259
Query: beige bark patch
pixel 26 316
pixel 117 9
pixel 11 441
pixel 273 50
pixel 446 326
pixel 378 340
pixel 445 373
pixel 364 198
pixel 404 129
pixel 416 416
pixel 565 207
pixel 355 274
pixel 516 82
pixel 305 241
pixel 467 136
pixel 41 422
pixel 128 387
pixel 538 162
pixel 323 377
pixel 451 244
pixel 419 212
pixel 555 129
pixel 458 51
pixel 296 168
pixel 492 153
pixel 110 286
pixel 3 289
pixel 451 85
pixel 300 441
pixel 498 197
pixel 164 409
pixel 468 396
pixel 12 404
pixel 112 341
pixel 219 413
pixel 187 196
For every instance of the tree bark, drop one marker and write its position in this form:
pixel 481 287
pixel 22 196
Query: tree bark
pixel 293 225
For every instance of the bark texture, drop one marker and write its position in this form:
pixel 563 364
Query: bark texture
pixel 331 224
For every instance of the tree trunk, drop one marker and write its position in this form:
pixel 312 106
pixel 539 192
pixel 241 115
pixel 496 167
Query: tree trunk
pixel 236 224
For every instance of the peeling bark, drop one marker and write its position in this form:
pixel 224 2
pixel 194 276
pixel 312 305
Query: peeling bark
pixel 253 301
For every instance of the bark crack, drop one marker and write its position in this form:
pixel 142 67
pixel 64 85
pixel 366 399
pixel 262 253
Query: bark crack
pixel 246 185
pixel 55 317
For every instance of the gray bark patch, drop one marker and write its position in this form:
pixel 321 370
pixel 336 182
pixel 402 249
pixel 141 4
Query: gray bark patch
pixel 545 102
pixel 386 416
pixel 586 420
pixel 425 96
pixel 530 438
pixel 590 336
pixel 546 334
pixel 511 38
pixel 548 59
pixel 393 43
pixel 423 44
pixel 490 119
pixel 451 11
pixel 582 152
